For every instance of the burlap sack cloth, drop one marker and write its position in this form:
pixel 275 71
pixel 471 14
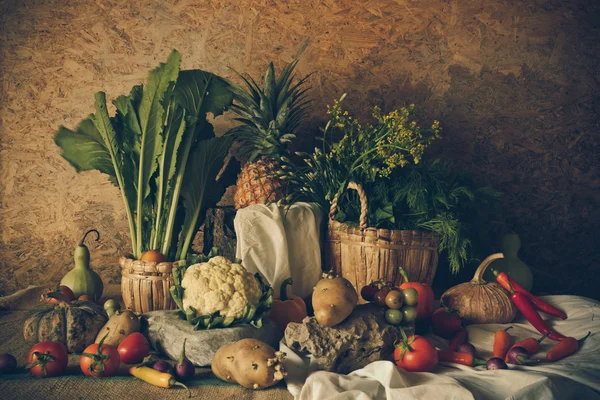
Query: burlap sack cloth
pixel 74 385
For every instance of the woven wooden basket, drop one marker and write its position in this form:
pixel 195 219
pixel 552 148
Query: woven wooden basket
pixel 145 285
pixel 363 255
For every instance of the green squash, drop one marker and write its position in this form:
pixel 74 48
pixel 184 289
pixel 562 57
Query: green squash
pixel 511 263
pixel 81 279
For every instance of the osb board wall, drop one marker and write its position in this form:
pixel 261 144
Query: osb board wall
pixel 514 83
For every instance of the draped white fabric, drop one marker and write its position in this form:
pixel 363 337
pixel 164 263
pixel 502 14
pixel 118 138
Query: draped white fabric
pixel 575 377
pixel 281 243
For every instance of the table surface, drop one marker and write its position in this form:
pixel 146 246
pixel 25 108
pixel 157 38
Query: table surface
pixel 74 385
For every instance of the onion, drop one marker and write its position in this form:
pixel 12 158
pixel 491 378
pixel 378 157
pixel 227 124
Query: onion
pixel 466 348
pixel 184 369
pixel 518 356
pixel 496 363
pixel 8 363
pixel 162 366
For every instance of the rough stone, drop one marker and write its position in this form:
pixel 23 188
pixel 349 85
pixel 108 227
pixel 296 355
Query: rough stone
pixel 166 332
pixel 362 338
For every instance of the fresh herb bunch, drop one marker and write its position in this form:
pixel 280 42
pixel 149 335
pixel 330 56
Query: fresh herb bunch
pixel 403 193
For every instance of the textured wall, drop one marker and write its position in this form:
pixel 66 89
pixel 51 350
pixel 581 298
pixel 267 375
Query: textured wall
pixel 514 83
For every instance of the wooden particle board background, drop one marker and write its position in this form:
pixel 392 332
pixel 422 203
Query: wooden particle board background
pixel 515 84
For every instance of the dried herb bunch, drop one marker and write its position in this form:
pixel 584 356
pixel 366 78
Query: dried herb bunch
pixel 402 191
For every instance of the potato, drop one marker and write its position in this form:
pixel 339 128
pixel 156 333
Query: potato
pixel 333 300
pixel 249 362
pixel 118 327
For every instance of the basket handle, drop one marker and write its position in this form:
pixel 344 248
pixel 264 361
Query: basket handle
pixel 363 204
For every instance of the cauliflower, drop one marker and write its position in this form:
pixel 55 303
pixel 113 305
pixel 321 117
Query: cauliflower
pixel 219 285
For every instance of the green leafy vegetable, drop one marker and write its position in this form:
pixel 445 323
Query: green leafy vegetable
pixel 161 151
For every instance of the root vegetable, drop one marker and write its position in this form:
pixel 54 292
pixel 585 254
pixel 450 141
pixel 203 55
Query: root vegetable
pixel 250 363
pixel 466 348
pixel 118 327
pixel 496 363
pixel 184 369
pixel 333 300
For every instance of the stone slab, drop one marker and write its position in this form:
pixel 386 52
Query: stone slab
pixel 166 332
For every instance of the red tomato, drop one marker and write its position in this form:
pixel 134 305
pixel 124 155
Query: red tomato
pixel 420 357
pixel 47 359
pixel 368 291
pixel 84 297
pixel 62 290
pixel 379 297
pixel 445 323
pixel 134 348
pixel 100 360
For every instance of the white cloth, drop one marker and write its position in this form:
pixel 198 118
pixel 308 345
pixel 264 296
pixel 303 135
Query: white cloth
pixel 281 243
pixel 574 377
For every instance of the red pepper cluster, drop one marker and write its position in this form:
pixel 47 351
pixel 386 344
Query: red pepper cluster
pixel 528 304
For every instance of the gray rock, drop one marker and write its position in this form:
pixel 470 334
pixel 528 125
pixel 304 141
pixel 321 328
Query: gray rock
pixel 166 332
pixel 362 338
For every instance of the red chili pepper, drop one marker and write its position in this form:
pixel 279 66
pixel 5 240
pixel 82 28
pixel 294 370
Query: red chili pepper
pixel 565 348
pixel 507 282
pixel 532 345
pixel 524 305
pixel 467 359
pixel 460 337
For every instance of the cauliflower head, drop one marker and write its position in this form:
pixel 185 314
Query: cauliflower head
pixel 219 285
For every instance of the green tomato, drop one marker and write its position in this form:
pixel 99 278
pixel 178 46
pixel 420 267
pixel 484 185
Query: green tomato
pixel 409 313
pixel 393 317
pixel 411 296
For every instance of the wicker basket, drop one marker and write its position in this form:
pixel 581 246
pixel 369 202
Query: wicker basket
pixel 363 255
pixel 145 285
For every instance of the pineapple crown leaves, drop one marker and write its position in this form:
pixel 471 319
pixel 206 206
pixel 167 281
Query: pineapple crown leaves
pixel 269 114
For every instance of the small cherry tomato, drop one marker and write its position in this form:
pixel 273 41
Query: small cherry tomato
pixel 47 359
pixel 409 313
pixel 393 317
pixel 368 291
pixel 411 296
pixel 445 323
pixel 134 348
pixel 153 256
pixel 100 360
pixel 84 297
pixel 394 299
pixel 416 354
pixel 379 297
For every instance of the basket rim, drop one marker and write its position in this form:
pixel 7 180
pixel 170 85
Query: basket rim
pixel 382 233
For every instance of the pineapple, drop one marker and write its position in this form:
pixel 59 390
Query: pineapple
pixel 269 116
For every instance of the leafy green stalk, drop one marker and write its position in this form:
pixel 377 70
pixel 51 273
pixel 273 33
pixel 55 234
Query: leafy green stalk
pixel 152 114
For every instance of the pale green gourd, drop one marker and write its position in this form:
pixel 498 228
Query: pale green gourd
pixel 81 279
pixel 511 263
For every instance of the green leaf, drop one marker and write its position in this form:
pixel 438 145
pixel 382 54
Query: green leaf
pixel 152 117
pixel 200 189
pixel 198 93
pixel 85 148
